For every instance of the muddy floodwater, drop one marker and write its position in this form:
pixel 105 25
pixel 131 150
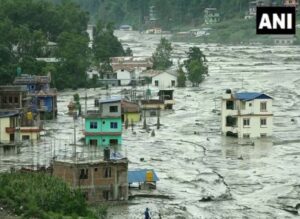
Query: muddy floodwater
pixel 202 174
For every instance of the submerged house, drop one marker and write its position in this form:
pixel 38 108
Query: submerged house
pixel 152 107
pixel 211 16
pixel 247 114
pixel 44 98
pixel 168 97
pixel 15 126
pixel 103 127
pixel 130 112
pixel 103 179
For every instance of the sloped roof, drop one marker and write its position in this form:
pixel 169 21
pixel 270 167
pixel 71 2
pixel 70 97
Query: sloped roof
pixel 247 96
pixel 139 175
pixel 5 114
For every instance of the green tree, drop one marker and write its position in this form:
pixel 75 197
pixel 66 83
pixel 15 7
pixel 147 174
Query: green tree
pixel 196 66
pixel 181 78
pixel 74 55
pixel 128 52
pixel 105 44
pixel 161 56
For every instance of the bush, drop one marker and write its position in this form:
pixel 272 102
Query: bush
pixel 41 196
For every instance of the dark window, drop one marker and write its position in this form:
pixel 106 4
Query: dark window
pixel 106 195
pixel 173 83
pixel 103 122
pixel 10 99
pixel 246 136
pixel 231 121
pixel 84 173
pixel 4 99
pixel 113 109
pixel 96 169
pixel 107 172
pixel 263 135
pixel 16 99
pixel 156 83
pixel 246 122
pixel 263 122
pixel 113 125
pixel 93 142
pixel 25 137
pixel 113 141
pixel 93 125
pixel 229 105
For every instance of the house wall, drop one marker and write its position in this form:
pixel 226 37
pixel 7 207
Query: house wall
pixel 105 109
pixel 46 103
pixel 132 117
pixel 96 183
pixel 124 76
pixel 4 123
pixel 253 112
pixel 164 80
pixel 103 140
pixel 103 125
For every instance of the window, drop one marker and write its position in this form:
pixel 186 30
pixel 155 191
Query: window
pixel 113 109
pixel 105 195
pixel 84 173
pixel 10 99
pixel 113 125
pixel 16 99
pixel 25 137
pixel 96 169
pixel 103 122
pixel 113 141
pixel 246 136
pixel 156 83
pixel 4 99
pixel 107 172
pixel 246 122
pixel 263 106
pixel 229 105
pixel 93 142
pixel 263 135
pixel 250 104
pixel 173 83
pixel 93 125
pixel 263 122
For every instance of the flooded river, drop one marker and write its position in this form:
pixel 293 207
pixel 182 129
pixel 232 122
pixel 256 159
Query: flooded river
pixel 203 174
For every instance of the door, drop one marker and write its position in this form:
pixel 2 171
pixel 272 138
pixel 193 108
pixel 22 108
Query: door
pixel 12 137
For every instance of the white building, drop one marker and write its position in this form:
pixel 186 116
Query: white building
pixel 247 115
pixel 124 77
pixel 164 80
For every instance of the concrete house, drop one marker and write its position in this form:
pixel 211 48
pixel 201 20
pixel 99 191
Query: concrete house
pixel 99 179
pixel 211 16
pixel 247 114
pixel 291 3
pixel 168 97
pixel 130 112
pixel 14 97
pixel 44 98
pixel 284 39
pixel 164 80
pixel 103 127
pixel 16 127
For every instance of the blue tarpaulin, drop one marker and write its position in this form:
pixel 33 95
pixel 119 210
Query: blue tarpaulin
pixel 139 176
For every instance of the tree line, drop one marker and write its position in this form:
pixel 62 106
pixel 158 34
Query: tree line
pixel 29 27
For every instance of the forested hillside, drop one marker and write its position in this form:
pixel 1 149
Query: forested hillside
pixel 171 13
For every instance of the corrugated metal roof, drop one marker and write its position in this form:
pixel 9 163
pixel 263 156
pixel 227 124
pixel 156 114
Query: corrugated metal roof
pixel 139 175
pixel 247 96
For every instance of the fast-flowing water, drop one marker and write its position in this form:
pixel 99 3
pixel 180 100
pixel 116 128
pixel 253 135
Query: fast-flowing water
pixel 203 174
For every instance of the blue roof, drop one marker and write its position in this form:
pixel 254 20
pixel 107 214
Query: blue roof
pixel 136 176
pixel 247 96
pixel 111 100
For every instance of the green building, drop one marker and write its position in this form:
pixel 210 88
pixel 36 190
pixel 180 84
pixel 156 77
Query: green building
pixel 103 127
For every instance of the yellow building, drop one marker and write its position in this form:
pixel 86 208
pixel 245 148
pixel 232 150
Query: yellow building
pixel 130 112
pixel 11 128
